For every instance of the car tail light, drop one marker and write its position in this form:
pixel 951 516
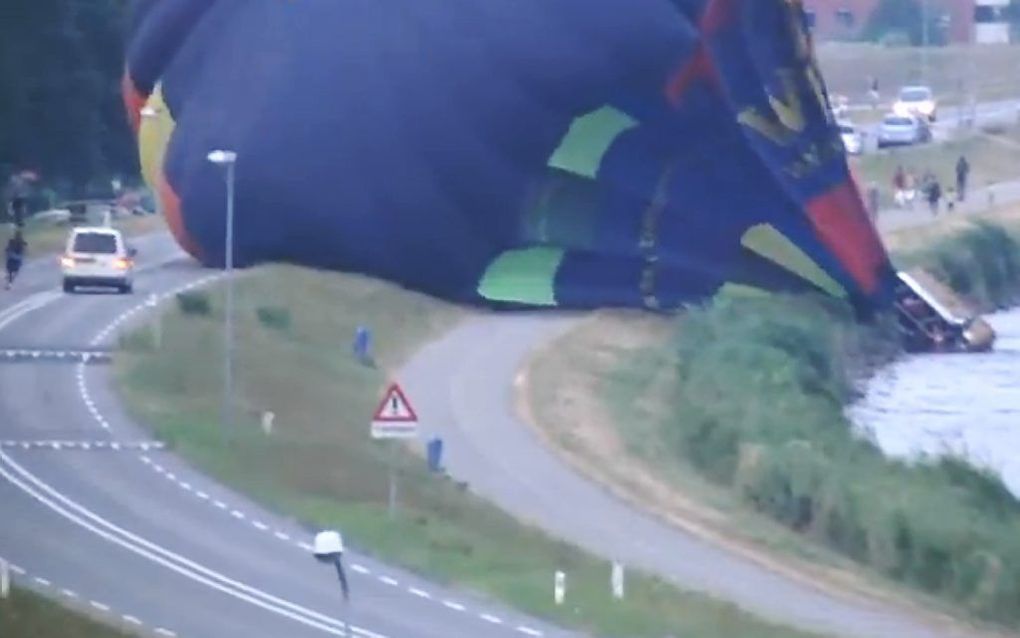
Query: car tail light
pixel 122 264
pixel 67 262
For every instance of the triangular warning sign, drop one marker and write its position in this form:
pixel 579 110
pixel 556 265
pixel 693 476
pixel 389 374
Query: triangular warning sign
pixel 395 408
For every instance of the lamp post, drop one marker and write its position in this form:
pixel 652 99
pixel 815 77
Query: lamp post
pixel 228 159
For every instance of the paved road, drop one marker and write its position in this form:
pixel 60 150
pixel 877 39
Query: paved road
pixel 89 515
pixel 951 117
pixel 982 200
pixel 463 388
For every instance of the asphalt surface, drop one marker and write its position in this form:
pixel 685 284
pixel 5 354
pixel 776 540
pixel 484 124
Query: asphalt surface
pixel 463 389
pixel 91 513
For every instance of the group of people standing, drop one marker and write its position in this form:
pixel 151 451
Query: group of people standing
pixel 907 187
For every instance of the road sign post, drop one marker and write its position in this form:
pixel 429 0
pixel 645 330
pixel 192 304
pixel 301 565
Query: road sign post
pixel 394 419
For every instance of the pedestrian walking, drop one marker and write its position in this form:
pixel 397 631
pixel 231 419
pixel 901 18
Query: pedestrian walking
pixel 933 191
pixel 899 183
pixel 873 93
pixel 962 177
pixel 14 257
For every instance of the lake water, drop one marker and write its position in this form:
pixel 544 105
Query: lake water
pixel 968 404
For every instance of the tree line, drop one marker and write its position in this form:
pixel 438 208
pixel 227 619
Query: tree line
pixel 61 114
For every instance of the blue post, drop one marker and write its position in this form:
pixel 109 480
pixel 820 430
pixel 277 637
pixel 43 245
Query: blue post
pixel 434 453
pixel 363 345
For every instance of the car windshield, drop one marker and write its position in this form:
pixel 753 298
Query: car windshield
pixel 915 95
pixel 899 121
pixel 96 243
pixel 846 129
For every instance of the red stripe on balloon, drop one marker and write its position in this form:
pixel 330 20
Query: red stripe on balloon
pixel 845 228
pixel 134 101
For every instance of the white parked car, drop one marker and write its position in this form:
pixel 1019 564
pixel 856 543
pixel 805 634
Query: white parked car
pixel 899 130
pixel 852 138
pixel 97 257
pixel 917 100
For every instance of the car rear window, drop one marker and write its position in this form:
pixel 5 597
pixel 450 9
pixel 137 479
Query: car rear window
pixel 848 130
pixel 899 121
pixel 97 243
pixel 915 95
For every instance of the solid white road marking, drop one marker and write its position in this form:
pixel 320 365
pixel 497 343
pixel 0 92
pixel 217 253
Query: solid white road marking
pixel 46 495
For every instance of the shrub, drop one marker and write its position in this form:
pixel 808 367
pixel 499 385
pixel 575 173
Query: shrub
pixel 195 304
pixel 274 317
pixel 760 408
pixel 137 341
pixel 981 262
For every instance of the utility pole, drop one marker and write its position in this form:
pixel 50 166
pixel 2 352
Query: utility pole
pixel 228 159
pixel 925 39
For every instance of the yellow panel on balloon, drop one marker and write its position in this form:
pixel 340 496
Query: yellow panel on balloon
pixel 771 244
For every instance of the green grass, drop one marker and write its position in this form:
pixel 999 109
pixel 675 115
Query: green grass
pixel 45 239
pixel 321 466
pixel 980 262
pixel 994 158
pixel 954 71
pixel 27 615
pixel 748 394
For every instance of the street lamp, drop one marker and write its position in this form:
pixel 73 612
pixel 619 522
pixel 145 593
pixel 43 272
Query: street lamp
pixel 228 159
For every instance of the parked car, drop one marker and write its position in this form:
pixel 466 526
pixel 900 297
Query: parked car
pixel 899 130
pixel 97 257
pixel 853 139
pixel 917 100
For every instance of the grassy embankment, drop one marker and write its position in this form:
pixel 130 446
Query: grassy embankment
pixel 994 156
pixel 321 466
pixel 732 423
pixel 28 615
pixel 50 239
pixel 991 70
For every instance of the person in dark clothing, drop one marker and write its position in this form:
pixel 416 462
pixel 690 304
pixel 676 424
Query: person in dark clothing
pixel 934 192
pixel 962 176
pixel 14 256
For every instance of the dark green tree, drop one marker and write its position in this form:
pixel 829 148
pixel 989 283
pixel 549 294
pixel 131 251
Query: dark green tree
pixel 60 111
pixel 904 17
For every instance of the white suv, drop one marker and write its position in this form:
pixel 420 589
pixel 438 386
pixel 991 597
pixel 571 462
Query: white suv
pixel 98 257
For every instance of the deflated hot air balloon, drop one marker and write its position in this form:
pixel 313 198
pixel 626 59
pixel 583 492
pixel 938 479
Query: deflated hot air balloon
pixel 536 153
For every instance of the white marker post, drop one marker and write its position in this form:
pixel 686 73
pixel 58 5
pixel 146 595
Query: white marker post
pixel 617 581
pixel 268 418
pixel 394 419
pixel 559 587
pixel 5 579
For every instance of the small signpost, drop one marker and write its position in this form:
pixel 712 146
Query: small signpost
pixel 559 587
pixel 617 581
pixel 394 419
pixel 5 579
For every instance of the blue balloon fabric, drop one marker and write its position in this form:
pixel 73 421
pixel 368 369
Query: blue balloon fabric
pixel 512 153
